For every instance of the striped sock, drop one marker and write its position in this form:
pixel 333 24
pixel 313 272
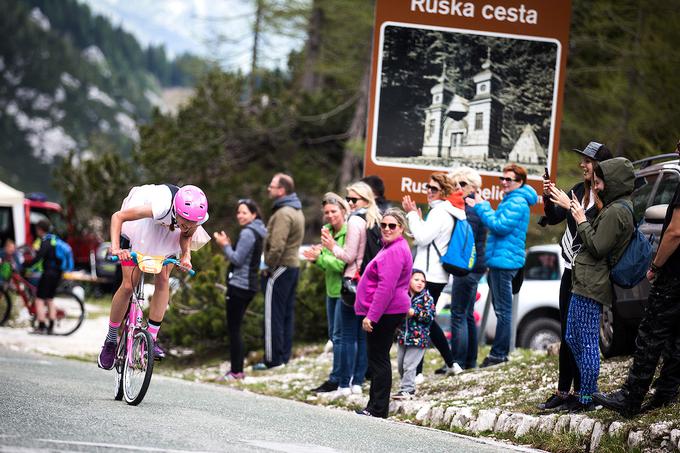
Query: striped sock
pixel 112 336
pixel 153 328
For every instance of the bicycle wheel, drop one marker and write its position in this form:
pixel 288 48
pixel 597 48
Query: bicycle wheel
pixel 138 368
pixel 5 306
pixel 120 365
pixel 70 313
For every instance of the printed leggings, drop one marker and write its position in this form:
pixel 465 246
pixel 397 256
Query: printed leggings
pixel 583 333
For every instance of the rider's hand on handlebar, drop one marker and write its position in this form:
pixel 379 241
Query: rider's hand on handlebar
pixel 185 263
pixel 122 254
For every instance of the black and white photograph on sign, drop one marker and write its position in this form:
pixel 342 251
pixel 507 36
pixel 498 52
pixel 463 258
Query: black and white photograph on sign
pixel 450 98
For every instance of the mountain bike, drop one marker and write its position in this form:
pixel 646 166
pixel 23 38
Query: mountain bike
pixel 134 355
pixel 70 309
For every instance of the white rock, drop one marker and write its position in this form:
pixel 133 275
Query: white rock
pixel 436 416
pixel 585 428
pixel 501 421
pixel 574 422
pixel 485 420
pixel 615 429
pixel 462 417
pixel 514 423
pixel 528 423
pixel 598 432
pixel 547 423
pixel 659 430
pixel 412 407
pixel 635 438
pixel 562 424
pixel 448 415
pixel 675 437
pixel 423 413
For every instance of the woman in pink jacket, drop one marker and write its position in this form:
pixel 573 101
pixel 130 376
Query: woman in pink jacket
pixel 383 300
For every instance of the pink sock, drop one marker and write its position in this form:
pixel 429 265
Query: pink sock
pixel 153 330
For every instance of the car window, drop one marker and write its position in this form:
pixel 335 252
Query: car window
pixel 640 196
pixel 666 190
pixel 542 266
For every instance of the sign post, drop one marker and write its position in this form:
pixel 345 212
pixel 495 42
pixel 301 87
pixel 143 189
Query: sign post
pixel 474 83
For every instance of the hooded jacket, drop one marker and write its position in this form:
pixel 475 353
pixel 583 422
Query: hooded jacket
pixel 286 228
pixel 433 232
pixel 607 236
pixel 507 227
pixel 244 256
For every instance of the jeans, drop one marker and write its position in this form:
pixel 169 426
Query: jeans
pixel 463 327
pixel 334 334
pixel 353 339
pixel 500 284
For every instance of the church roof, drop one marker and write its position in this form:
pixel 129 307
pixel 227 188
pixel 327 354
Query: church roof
pixel 528 144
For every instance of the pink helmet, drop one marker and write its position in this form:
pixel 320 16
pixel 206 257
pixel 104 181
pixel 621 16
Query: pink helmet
pixel 191 203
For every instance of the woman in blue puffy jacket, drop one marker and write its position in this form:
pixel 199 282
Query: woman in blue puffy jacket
pixel 505 250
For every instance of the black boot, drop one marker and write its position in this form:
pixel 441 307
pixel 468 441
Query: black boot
pixel 620 401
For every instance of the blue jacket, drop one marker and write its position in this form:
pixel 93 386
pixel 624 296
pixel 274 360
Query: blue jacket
pixel 507 227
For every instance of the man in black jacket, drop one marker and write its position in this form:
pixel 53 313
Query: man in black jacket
pixel 49 280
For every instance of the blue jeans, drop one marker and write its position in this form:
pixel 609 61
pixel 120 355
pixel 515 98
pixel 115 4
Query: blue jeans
pixel 463 328
pixel 334 328
pixel 500 284
pixel 353 338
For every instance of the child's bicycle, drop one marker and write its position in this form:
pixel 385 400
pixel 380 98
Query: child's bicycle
pixel 134 354
pixel 70 309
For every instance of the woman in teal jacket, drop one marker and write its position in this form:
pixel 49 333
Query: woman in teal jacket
pixel 505 249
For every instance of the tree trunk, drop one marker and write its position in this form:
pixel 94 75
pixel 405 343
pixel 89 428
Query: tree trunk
pixel 256 41
pixel 311 80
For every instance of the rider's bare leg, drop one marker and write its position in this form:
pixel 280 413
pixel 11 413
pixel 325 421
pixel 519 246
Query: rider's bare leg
pixel 161 294
pixel 121 298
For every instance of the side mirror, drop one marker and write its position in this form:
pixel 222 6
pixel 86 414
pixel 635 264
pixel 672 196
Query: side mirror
pixel 656 213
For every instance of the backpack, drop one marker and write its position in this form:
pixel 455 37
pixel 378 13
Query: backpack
pixel 461 253
pixel 63 251
pixel 632 267
pixel 373 244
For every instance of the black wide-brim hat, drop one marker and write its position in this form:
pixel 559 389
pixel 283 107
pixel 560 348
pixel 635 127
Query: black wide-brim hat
pixel 596 151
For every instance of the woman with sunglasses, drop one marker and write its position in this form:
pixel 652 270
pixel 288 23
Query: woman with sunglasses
pixel 364 216
pixel 335 210
pixel 160 220
pixel 505 252
pixel 464 289
pixel 242 276
pixel 383 301
pixel 556 206
pixel 431 237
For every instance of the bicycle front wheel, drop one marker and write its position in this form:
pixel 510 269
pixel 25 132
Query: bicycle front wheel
pixel 138 368
pixel 5 306
pixel 70 313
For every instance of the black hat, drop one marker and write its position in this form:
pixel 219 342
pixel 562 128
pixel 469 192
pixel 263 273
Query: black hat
pixel 596 151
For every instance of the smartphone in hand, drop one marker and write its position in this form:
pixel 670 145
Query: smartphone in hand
pixel 546 175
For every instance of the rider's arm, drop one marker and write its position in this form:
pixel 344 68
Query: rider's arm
pixel 185 246
pixel 126 215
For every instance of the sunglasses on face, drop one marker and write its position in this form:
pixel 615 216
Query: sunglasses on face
pixel 506 179
pixel 391 226
pixel 431 188
pixel 353 199
pixel 462 184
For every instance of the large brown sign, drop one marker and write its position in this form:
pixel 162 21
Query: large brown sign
pixel 465 83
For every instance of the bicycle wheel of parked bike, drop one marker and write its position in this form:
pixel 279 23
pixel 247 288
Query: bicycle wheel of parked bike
pixel 70 313
pixel 120 365
pixel 138 368
pixel 5 306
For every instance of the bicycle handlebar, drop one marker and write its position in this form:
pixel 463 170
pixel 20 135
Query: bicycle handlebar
pixel 114 258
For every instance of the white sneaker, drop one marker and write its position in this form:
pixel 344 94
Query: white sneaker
pixel 419 378
pixel 342 391
pixel 328 347
pixel 357 390
pixel 454 369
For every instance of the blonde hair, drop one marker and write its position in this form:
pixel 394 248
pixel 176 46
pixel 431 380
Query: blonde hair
pixel 467 174
pixel 365 192
pixel 400 217
pixel 334 198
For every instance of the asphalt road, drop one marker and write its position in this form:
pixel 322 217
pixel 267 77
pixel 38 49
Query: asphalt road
pixel 53 404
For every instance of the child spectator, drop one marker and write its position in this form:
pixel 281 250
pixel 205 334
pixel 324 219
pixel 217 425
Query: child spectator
pixel 414 338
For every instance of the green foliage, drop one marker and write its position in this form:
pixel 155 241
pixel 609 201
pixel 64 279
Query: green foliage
pixel 196 318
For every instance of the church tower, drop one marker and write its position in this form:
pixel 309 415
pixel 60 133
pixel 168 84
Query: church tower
pixel 485 117
pixel 435 114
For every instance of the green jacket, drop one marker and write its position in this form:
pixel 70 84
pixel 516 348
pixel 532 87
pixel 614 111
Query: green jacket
pixel 606 237
pixel 332 266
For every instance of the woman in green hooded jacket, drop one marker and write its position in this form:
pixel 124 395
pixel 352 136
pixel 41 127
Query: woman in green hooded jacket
pixel 603 242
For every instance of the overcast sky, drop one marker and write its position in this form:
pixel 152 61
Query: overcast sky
pixel 193 26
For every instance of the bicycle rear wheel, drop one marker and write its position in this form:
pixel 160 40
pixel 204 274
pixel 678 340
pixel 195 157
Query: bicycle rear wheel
pixel 5 306
pixel 138 368
pixel 120 365
pixel 70 313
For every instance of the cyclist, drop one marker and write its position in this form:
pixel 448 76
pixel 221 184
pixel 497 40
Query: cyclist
pixel 160 220
pixel 49 279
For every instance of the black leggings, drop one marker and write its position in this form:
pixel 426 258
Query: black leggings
pixel 567 365
pixel 237 302
pixel 436 333
pixel 378 345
